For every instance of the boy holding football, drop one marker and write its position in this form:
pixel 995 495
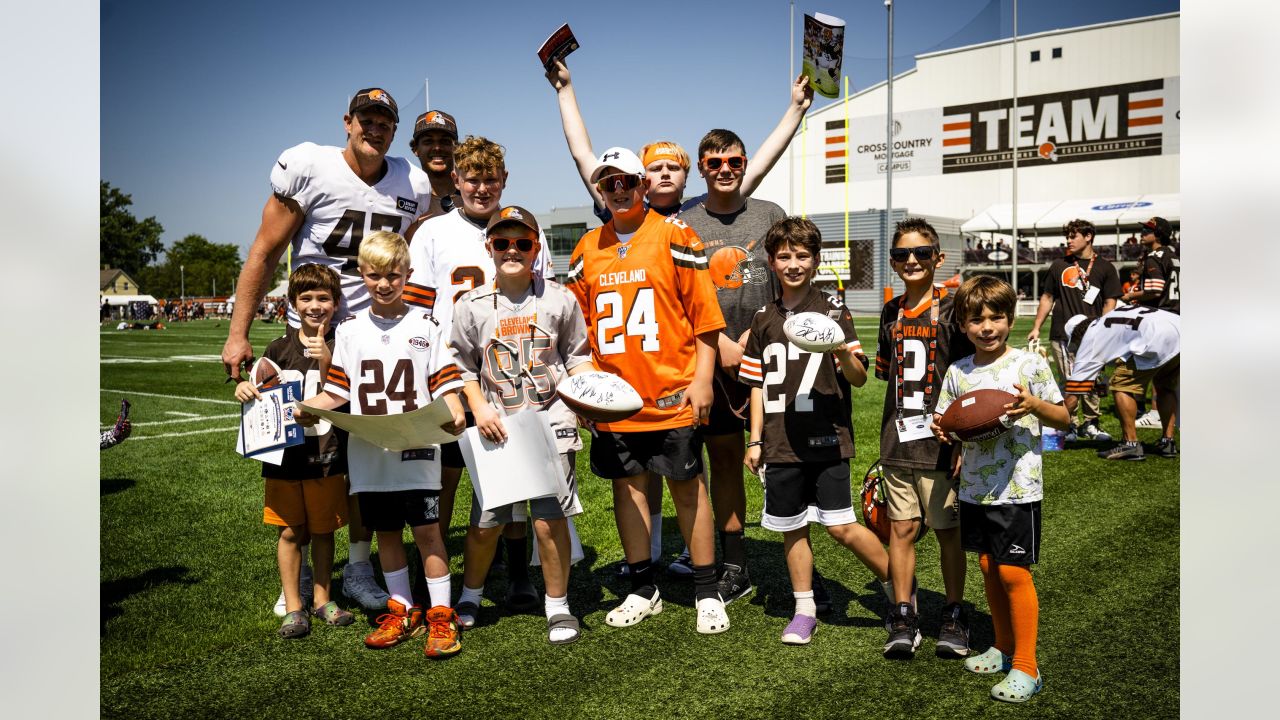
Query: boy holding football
pixel 1001 479
pixel 801 430
pixel 652 318
pixel 306 494
pixel 388 359
pixel 514 340
pixel 919 336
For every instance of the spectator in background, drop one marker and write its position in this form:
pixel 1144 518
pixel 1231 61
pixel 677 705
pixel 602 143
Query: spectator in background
pixel 1132 282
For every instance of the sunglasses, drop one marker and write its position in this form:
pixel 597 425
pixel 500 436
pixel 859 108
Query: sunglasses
pixel 922 253
pixel 614 183
pixel 523 244
pixel 736 162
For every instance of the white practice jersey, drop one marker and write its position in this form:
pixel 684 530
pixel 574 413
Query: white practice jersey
pixel 1148 336
pixel 448 259
pixel 539 356
pixel 340 209
pixel 384 367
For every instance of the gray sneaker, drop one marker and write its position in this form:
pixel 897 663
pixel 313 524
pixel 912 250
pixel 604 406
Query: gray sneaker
pixel 953 638
pixel 1071 435
pixel 904 633
pixel 1123 451
pixel 1167 447
pixel 1093 432
pixel 359 585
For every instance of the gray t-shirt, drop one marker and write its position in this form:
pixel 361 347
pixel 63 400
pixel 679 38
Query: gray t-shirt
pixel 739 265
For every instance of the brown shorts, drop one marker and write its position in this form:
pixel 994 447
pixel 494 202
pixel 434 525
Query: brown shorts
pixel 1129 379
pixel 911 492
pixel 319 505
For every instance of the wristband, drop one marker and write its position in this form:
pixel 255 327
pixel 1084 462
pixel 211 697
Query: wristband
pixel 755 443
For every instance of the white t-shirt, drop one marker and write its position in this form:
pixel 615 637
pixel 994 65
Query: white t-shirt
pixel 388 366
pixel 340 209
pixel 448 260
pixel 1148 336
pixel 1006 469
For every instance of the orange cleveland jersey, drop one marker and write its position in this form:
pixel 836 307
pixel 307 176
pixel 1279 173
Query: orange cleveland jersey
pixel 644 302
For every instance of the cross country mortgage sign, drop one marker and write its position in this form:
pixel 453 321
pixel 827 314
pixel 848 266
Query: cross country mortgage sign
pixel 1098 123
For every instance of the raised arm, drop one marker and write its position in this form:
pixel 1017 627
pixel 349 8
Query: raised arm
pixel 575 130
pixel 774 145
pixel 280 220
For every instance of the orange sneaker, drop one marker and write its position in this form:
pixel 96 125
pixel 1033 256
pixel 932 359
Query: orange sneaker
pixel 443 632
pixel 396 626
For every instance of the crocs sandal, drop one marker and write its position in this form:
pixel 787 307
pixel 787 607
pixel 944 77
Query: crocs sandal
pixel 1017 687
pixel 634 609
pixel 712 618
pixel 989 663
pixel 563 622
pixel 296 625
pixel 331 614
pixel 467 612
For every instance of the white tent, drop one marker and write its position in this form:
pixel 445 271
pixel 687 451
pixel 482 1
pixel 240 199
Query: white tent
pixel 124 300
pixel 1052 215
pixel 281 290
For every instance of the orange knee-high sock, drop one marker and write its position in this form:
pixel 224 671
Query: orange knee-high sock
pixel 1024 608
pixel 998 602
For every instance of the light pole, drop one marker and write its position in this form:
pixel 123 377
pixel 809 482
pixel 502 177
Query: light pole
pixel 182 280
pixel 888 148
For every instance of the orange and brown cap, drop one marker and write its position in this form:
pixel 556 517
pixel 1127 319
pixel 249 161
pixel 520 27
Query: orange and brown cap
pixel 435 120
pixel 374 99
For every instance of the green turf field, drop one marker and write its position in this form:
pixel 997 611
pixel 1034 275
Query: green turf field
pixel 188 579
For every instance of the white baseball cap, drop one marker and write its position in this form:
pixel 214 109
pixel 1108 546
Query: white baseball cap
pixel 620 159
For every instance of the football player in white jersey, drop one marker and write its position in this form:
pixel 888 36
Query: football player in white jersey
pixel 449 259
pixel 323 201
pixel 435 136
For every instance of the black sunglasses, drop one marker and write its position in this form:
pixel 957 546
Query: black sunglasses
pixel 922 252
pixel 501 244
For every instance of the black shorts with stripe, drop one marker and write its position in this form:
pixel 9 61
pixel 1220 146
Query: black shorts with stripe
pixel 1010 534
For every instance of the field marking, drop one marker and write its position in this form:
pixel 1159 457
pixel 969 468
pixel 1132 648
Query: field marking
pixel 181 414
pixel 182 434
pixel 170 397
pixel 198 418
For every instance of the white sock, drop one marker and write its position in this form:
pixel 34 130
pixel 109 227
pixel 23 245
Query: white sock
pixel 439 590
pixel 805 604
pixel 471 595
pixel 558 606
pixel 398 585
pixel 359 552
pixel 888 590
pixel 655 537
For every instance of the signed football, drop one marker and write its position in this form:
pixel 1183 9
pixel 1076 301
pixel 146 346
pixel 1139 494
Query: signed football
pixel 600 396
pixel 813 332
pixel 977 415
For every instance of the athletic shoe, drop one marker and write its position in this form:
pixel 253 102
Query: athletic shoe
pixel 735 582
pixel 1167 447
pixel 682 566
pixel 358 584
pixel 904 633
pixel 1151 419
pixel 1093 432
pixel 120 431
pixel 396 626
pixel 1123 451
pixel 821 598
pixel 712 618
pixel 634 609
pixel 953 638
pixel 800 630
pixel 443 634
pixel 1071 435
pixel 467 614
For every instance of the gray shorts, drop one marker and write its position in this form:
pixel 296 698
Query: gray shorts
pixel 543 508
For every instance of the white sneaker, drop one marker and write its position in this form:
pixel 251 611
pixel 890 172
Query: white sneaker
pixel 1149 420
pixel 280 608
pixel 712 618
pixel 634 609
pixel 359 585
pixel 1092 431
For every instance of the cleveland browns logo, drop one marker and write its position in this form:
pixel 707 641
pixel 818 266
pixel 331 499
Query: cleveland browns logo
pixel 434 118
pixel 1073 277
pixel 511 213
pixel 379 96
pixel 732 267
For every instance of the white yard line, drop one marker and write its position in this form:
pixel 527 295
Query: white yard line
pixel 181 434
pixel 198 418
pixel 170 397
pixel 181 414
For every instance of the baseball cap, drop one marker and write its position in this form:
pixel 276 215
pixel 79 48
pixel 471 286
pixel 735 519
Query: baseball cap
pixel 1159 226
pixel 435 120
pixel 374 97
pixel 512 214
pixel 618 158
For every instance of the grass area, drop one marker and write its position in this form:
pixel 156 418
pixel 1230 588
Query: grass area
pixel 188 577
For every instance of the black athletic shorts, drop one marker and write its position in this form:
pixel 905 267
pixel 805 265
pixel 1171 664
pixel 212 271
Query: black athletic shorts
pixel 797 493
pixel 391 511
pixel 676 454
pixel 1010 534
pixel 451 454
pixel 727 394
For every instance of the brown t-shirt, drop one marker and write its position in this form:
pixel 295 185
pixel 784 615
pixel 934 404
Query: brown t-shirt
pixel 322 453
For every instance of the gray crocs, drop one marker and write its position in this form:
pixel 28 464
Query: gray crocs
pixel 296 624
pixel 566 622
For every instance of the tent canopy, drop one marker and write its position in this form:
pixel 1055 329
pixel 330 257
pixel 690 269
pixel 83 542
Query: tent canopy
pixel 124 300
pixel 1053 214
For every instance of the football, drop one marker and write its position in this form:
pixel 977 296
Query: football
pixel 813 332
pixel 977 415
pixel 600 396
pixel 875 505
pixel 265 373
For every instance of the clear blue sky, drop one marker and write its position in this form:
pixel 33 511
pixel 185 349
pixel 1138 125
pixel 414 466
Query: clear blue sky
pixel 199 99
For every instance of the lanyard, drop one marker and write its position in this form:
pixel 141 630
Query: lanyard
pixel 1087 271
pixel 899 346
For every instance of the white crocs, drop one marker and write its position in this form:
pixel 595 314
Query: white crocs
pixel 989 663
pixel 712 618
pixel 1017 687
pixel 634 609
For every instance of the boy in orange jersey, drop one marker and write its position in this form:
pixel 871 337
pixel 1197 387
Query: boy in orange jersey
pixel 652 318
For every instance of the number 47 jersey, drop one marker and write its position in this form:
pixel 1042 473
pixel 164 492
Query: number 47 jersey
pixel 386 366
pixel 645 301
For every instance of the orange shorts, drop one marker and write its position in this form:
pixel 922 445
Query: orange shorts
pixel 319 505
